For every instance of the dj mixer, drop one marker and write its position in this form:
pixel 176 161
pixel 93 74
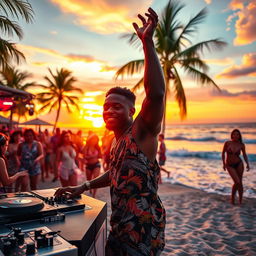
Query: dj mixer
pixel 40 206
pixel 38 242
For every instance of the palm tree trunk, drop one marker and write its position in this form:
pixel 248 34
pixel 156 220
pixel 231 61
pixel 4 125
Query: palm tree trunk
pixel 57 116
pixel 11 117
pixel 164 116
pixel 166 78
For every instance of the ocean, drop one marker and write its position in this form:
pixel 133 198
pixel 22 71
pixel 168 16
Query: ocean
pixel 194 156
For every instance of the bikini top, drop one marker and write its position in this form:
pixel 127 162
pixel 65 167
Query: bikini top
pixel 230 151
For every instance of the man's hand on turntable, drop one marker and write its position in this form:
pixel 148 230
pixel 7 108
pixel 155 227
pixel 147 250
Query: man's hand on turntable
pixel 74 191
pixel 99 182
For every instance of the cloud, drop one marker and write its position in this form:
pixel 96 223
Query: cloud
pixel 220 62
pixel 208 1
pixel 247 68
pixel 241 94
pixel 245 11
pixel 103 16
pixel 32 50
pixel 77 57
pixel 29 51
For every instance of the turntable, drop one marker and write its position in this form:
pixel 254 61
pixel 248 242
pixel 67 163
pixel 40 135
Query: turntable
pixel 22 203
pixel 38 204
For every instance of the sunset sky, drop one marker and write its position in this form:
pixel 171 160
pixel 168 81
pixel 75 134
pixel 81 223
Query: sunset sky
pixel 84 37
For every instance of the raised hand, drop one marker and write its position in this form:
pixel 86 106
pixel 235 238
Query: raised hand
pixel 148 25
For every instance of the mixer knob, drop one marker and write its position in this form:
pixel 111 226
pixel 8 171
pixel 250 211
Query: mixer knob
pixel 30 248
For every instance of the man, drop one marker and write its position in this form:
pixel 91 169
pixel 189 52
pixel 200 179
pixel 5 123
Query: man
pixel 138 216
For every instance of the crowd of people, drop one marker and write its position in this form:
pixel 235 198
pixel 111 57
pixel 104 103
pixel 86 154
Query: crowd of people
pixel 27 157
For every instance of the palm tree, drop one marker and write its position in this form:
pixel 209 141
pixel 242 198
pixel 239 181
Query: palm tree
pixel 176 52
pixel 14 78
pixel 15 9
pixel 57 92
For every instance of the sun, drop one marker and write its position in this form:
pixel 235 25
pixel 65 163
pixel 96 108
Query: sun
pixel 97 122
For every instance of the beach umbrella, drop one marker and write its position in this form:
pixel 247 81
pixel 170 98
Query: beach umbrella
pixel 37 122
pixel 4 120
pixel 6 91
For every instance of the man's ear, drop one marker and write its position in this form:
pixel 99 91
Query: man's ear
pixel 131 111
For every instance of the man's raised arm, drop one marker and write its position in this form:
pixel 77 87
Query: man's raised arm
pixel 153 105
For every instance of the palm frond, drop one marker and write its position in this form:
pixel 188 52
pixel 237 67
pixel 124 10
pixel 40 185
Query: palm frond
pixel 53 106
pixel 193 51
pixel 137 86
pixel 17 8
pixel 10 27
pixel 166 31
pixel 67 105
pixel 43 99
pixel 9 52
pixel 45 106
pixel 132 39
pixel 195 62
pixel 130 68
pixel 191 27
pixel 201 77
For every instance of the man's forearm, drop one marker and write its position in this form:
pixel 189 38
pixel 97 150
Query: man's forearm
pixel 153 75
pixel 100 182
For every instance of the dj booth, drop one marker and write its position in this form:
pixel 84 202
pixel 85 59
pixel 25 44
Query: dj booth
pixel 36 223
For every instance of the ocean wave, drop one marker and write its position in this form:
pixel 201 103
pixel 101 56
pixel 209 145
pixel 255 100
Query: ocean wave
pixel 208 138
pixel 203 154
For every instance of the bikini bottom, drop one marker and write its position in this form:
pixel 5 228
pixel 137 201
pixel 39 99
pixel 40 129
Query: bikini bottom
pixel 235 165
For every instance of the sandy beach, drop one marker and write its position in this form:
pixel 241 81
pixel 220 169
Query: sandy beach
pixel 199 223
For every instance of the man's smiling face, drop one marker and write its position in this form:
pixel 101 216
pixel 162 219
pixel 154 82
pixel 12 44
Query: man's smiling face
pixel 117 111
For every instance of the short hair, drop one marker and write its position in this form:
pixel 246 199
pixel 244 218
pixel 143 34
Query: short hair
pixel 127 93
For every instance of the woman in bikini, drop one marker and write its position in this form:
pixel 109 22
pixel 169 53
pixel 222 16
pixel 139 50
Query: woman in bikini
pixel 234 164
pixel 65 160
pixel 92 154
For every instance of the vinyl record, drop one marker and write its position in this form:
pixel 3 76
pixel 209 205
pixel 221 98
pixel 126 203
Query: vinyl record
pixel 20 205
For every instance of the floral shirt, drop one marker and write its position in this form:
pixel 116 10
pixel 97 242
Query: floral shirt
pixel 138 216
